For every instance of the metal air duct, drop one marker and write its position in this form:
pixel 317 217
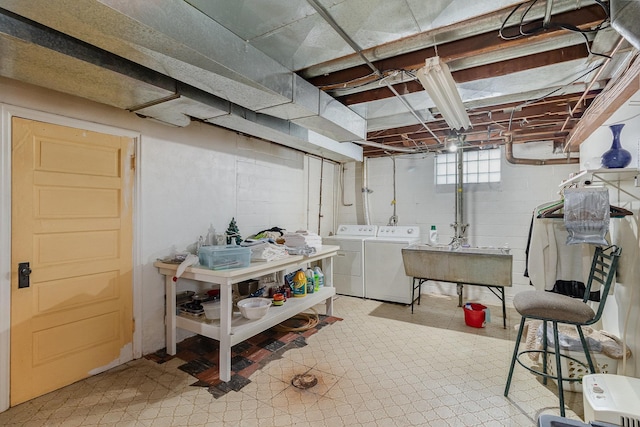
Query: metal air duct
pixel 44 57
pixel 177 40
pixel 624 19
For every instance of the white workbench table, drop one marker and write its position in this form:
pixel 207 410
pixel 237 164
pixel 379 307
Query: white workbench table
pixel 233 329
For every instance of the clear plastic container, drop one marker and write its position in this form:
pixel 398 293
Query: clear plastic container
pixel 211 309
pixel 224 257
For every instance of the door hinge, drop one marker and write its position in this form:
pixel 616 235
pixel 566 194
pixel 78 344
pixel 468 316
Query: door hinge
pixel 133 162
pixel 133 325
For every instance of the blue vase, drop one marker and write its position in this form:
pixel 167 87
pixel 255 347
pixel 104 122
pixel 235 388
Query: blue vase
pixel 616 156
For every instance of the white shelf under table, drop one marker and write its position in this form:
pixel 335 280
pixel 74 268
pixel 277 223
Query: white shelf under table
pixel 242 328
pixel 232 328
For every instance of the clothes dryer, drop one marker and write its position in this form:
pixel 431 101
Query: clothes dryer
pixel 348 264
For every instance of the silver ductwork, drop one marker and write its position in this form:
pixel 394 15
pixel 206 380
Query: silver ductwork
pixel 47 58
pixel 179 41
pixel 624 19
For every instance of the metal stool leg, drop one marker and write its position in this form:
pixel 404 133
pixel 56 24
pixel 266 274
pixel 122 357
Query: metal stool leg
pixel 587 353
pixel 545 353
pixel 558 368
pixel 515 355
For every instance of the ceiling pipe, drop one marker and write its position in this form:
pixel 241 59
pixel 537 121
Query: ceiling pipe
pixel 390 148
pixel 508 154
pixel 588 88
pixel 547 14
pixel 413 112
pixel 338 29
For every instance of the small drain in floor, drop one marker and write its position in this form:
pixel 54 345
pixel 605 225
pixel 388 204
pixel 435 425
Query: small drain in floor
pixel 304 381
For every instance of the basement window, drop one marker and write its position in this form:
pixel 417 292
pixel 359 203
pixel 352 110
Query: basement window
pixel 479 166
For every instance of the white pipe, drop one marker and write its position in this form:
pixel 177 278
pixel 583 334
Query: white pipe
pixel 389 147
pixel 365 192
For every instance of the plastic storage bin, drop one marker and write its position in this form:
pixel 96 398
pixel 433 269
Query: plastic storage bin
pixel 571 369
pixel 211 309
pixel 224 257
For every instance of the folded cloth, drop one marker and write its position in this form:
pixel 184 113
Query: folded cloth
pixel 303 238
pixel 301 250
pixel 255 242
pixel 265 251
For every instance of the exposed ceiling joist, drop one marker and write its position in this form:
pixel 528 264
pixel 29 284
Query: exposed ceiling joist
pixel 600 110
pixel 526 71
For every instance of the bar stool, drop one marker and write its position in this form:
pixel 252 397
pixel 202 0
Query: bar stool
pixel 557 308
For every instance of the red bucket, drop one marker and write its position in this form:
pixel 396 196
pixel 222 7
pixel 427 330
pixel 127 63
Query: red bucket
pixel 474 315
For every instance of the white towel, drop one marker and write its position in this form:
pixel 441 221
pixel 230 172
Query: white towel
pixel 190 260
pixel 303 238
pixel 265 251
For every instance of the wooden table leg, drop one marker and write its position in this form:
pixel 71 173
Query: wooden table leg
pixel 170 314
pixel 225 332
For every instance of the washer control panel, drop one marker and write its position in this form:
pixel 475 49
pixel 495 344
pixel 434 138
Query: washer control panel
pixel 357 230
pixel 412 231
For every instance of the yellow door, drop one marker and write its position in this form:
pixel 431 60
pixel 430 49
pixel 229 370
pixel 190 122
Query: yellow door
pixel 72 222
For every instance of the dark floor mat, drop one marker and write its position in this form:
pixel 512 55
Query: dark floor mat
pixel 201 354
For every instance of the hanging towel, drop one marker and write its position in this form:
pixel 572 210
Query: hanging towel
pixel 586 215
pixel 190 260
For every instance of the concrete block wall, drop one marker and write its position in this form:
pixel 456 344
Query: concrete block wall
pixel 497 214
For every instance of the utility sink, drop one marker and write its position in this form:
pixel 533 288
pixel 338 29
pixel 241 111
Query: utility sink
pixel 470 265
pixel 463 249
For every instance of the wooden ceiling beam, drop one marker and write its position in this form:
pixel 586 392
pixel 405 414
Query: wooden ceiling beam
pixel 489 42
pixel 610 100
pixel 554 109
pixel 497 69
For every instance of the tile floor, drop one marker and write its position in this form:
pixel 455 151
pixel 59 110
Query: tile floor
pixel 380 366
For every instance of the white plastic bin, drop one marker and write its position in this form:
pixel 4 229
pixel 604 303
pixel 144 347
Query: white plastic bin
pixel 570 369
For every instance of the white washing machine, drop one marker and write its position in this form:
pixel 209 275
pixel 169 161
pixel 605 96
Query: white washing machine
pixel 383 266
pixel 348 265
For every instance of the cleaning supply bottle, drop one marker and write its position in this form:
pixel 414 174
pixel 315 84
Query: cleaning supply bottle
pixel 318 272
pixel 310 282
pixel 299 285
pixel 433 235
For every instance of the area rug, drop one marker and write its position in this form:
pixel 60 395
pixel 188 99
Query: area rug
pixel 201 355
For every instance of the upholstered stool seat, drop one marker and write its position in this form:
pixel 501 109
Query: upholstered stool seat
pixel 554 308
pixel 550 306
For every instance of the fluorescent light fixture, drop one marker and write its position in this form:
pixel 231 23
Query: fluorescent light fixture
pixel 439 84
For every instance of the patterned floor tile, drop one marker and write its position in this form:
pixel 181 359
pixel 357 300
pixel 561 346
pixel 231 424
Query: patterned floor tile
pixel 379 366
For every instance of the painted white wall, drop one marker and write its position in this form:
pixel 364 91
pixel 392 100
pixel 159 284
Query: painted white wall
pixel 188 188
pixel 188 179
pixel 500 214
pixel 622 312
pixel 497 214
